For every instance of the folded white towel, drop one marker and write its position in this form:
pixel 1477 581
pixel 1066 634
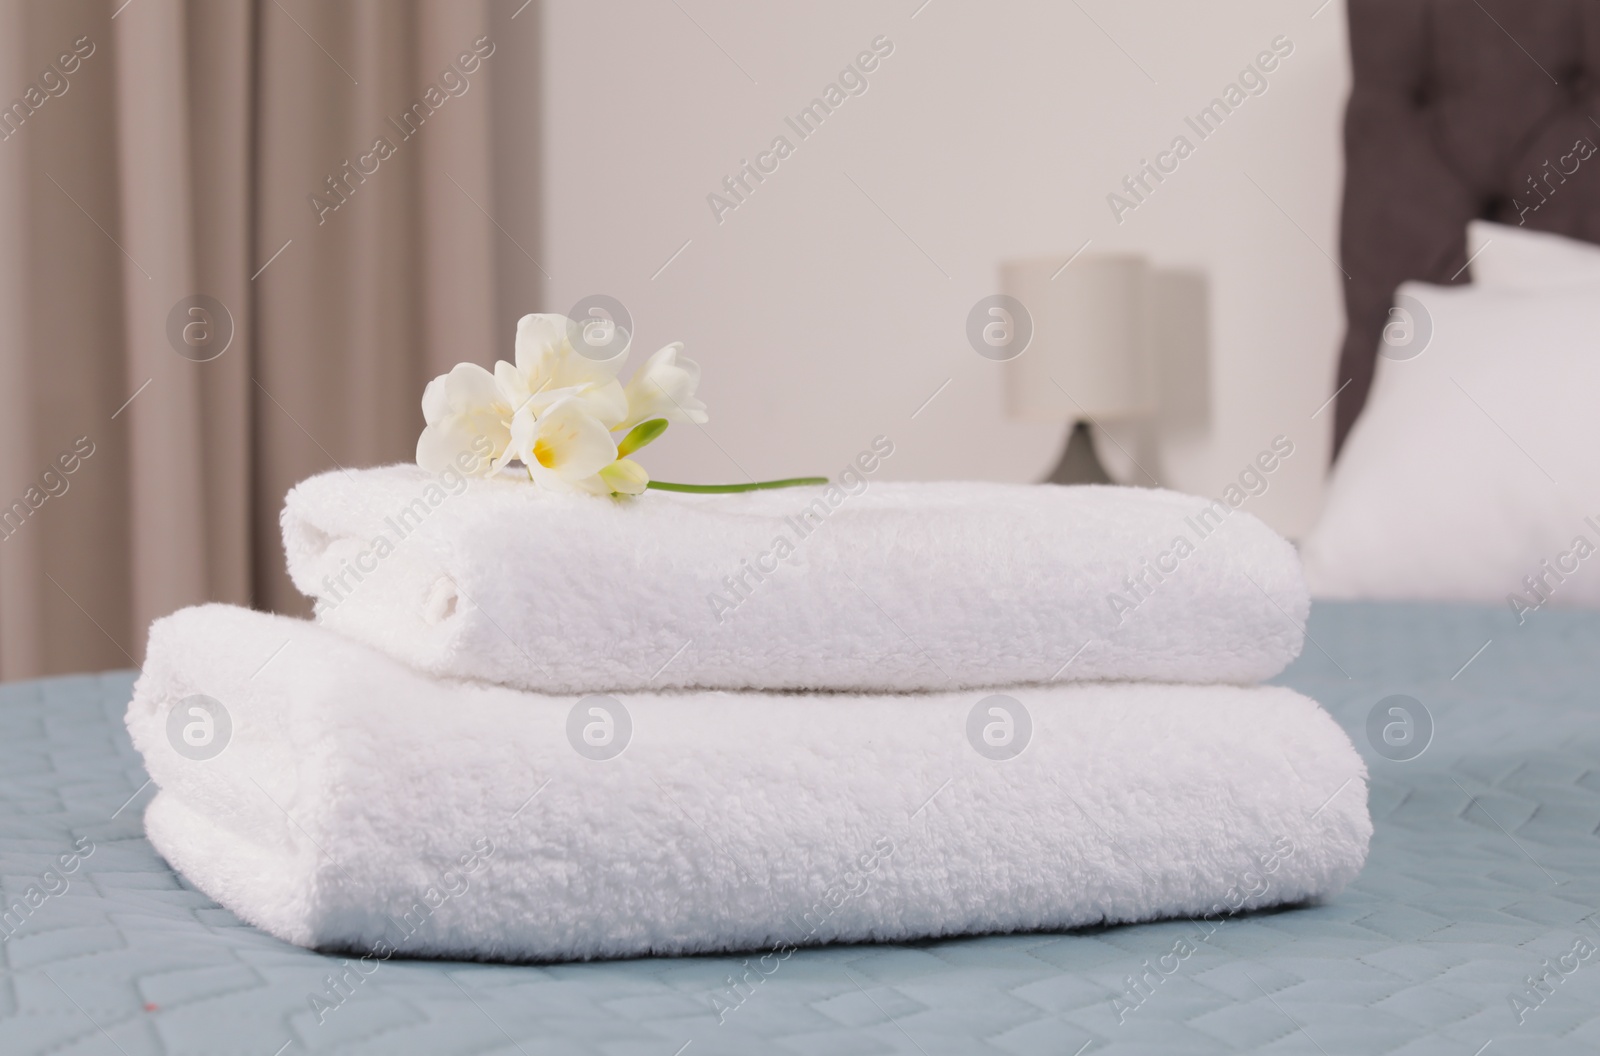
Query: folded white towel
pixel 900 587
pixel 358 805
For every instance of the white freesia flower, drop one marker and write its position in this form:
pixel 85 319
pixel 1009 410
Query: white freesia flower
pixel 548 369
pixel 460 408
pixel 664 388
pixel 564 446
pixel 564 416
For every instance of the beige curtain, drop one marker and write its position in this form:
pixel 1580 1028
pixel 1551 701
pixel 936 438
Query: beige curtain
pixel 349 188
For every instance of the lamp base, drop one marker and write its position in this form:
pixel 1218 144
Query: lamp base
pixel 1079 463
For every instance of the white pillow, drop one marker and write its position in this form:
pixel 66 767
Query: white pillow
pixel 1444 488
pixel 1517 257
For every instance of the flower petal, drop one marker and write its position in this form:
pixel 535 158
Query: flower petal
pixel 664 387
pixel 564 445
pixel 458 445
pixel 599 345
pixel 540 339
pixel 468 386
pixel 465 413
pixel 606 401
pixel 435 404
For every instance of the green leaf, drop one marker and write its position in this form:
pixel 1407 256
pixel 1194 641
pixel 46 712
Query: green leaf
pixel 641 435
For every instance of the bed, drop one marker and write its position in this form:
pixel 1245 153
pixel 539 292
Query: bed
pixel 1485 869
pixel 1457 110
pixel 1472 929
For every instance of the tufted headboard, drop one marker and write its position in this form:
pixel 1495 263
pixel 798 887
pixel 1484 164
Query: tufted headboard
pixel 1459 109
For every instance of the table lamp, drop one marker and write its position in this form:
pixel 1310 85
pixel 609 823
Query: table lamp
pixel 1088 361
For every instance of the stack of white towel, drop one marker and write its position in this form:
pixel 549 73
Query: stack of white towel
pixel 531 726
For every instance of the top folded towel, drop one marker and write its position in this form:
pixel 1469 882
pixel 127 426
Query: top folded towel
pixel 872 587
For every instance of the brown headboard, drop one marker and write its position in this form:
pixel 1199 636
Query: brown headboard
pixel 1455 106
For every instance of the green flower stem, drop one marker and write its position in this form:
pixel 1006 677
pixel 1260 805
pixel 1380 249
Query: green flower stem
pixel 719 489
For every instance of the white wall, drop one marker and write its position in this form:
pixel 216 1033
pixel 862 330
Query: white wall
pixel 991 131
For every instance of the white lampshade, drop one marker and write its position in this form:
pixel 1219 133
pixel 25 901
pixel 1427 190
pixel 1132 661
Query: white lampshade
pixel 1089 356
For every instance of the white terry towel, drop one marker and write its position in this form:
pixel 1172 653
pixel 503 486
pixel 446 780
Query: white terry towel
pixel 359 805
pixel 900 587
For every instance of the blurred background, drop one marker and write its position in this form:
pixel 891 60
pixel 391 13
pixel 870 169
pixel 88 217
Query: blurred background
pixel 238 238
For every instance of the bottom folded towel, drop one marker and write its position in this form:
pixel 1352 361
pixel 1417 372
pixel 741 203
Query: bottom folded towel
pixel 339 800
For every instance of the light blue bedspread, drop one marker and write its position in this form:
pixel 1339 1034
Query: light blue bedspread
pixel 1485 870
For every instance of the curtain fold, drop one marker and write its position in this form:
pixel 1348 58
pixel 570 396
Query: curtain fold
pixel 236 240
